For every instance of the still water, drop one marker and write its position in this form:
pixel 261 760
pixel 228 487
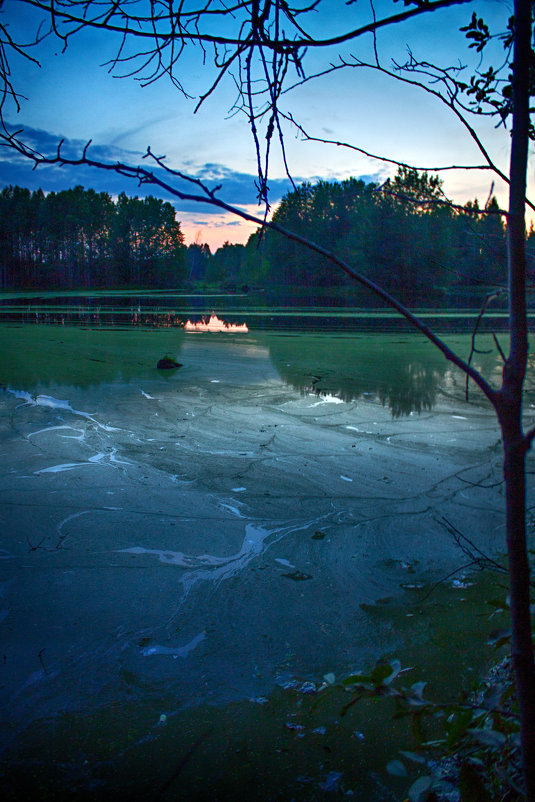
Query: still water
pixel 186 553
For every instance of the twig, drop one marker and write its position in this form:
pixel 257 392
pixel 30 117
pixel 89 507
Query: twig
pixel 473 350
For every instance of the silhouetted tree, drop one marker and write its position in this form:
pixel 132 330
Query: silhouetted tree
pixel 81 238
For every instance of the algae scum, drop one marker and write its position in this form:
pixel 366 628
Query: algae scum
pixel 186 553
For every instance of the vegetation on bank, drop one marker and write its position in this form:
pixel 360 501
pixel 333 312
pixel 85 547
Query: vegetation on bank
pixel 403 235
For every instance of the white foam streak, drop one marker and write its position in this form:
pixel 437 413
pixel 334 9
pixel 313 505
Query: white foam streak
pixel 327 399
pixel 102 458
pixel 59 527
pixel 55 428
pixel 58 403
pixel 175 651
pixel 66 466
pixel 217 569
pixel 21 394
pixel 231 508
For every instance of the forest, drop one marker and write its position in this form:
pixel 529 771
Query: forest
pixel 404 235
pixel 79 238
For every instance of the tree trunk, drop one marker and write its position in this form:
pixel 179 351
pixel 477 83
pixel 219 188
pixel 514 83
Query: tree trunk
pixel 509 401
pixel 519 587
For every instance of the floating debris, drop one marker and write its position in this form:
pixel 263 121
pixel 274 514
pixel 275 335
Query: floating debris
pixel 298 685
pixel 461 584
pixel 297 728
pixel 298 576
pixel 331 781
pixel 168 363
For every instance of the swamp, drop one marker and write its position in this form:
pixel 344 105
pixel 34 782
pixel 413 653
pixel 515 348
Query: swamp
pixel 186 555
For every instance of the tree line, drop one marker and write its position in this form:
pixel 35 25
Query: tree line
pixel 402 234
pixel 79 238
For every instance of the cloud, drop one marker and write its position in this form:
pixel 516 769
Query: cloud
pixel 235 188
pixel 214 225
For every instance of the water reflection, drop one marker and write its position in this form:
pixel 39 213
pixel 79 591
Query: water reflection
pixel 321 310
pixel 33 357
pixel 406 374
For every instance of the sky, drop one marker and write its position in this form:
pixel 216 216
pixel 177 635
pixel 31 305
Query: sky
pixel 73 96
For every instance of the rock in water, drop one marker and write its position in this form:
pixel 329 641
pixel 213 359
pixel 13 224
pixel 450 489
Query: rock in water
pixel 166 363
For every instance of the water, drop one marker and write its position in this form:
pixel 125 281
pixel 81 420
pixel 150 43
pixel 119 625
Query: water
pixel 186 553
pixel 287 309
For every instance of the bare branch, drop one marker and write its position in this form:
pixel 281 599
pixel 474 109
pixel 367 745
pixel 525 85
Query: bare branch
pixel 473 350
pixel 498 347
pixel 136 26
pixel 435 168
pixel 450 102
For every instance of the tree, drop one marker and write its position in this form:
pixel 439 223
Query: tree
pixel 197 259
pixel 261 52
pixel 400 236
pixel 81 238
pixel 227 265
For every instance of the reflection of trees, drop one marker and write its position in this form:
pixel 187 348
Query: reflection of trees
pixel 40 356
pixel 412 388
pixel 403 374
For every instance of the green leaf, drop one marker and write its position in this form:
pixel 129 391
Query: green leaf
pixel 491 738
pixel 384 673
pixel 356 679
pixel 396 768
pixel 380 673
pixel 458 726
pixel 414 756
pixel 419 790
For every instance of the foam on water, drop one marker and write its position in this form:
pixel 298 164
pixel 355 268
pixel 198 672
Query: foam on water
pixel 175 651
pixel 58 403
pixel 212 568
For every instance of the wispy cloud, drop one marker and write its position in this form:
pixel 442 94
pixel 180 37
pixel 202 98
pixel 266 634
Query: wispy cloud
pixel 236 187
pixel 197 219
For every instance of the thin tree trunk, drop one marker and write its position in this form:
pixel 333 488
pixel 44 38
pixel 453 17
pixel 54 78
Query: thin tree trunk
pixel 509 401
pixel 519 589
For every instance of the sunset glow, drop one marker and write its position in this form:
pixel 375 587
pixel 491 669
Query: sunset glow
pixel 215 324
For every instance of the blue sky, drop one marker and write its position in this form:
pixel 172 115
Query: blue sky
pixel 72 96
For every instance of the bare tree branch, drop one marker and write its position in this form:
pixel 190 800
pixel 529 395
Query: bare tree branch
pixel 492 296
pixel 181 22
pixel 450 102
pixel 434 168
